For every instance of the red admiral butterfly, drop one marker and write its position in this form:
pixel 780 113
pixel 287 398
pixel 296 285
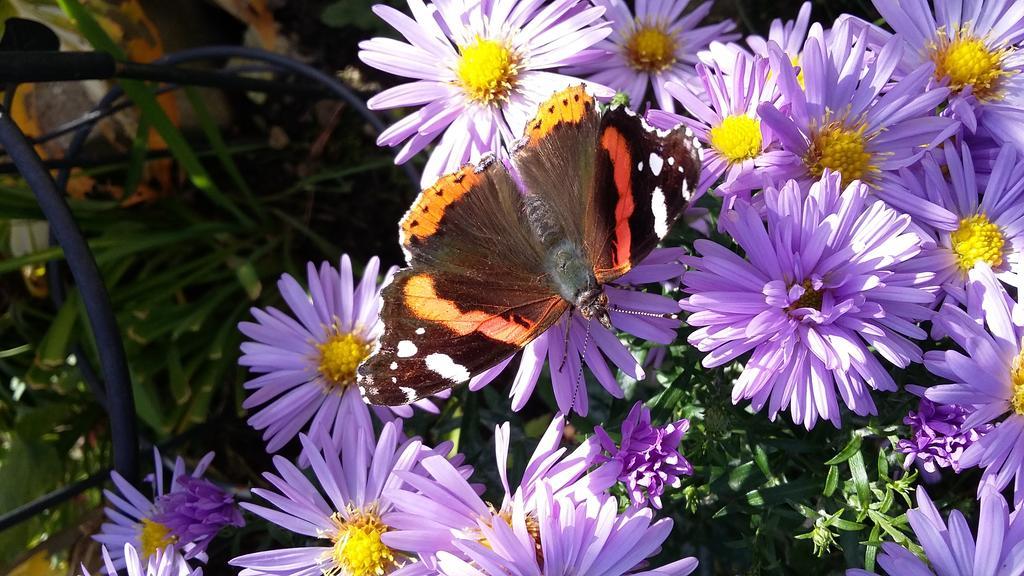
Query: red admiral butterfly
pixel 493 264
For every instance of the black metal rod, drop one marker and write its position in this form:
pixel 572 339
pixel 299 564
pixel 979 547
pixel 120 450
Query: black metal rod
pixel 26 67
pixel 38 67
pixel 114 366
pixel 26 511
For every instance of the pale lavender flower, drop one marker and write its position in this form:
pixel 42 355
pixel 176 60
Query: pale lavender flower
pixel 562 537
pixel 136 519
pixel 950 549
pixel 305 363
pixel 649 455
pixel 975 46
pixel 479 70
pixel 593 344
pixel 348 524
pixel 970 215
pixel 938 438
pixel 847 116
pixel 988 377
pixel 789 35
pixel 725 118
pixel 655 45
pixel 820 284
pixel 195 510
pixel 161 563
pixel 437 506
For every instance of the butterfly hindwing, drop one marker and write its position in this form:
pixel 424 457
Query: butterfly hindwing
pixel 643 181
pixel 474 293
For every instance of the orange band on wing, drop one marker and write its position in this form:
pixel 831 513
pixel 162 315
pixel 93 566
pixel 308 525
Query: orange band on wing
pixel 425 303
pixel 567 106
pixel 618 152
pixel 424 218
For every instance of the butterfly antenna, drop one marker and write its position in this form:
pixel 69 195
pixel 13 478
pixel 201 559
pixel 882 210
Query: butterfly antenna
pixel 583 362
pixel 644 313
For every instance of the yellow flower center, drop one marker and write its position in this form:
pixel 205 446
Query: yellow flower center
pixel 967 61
pixel 358 549
pixel 155 536
pixel 738 137
pixel 811 298
pixel 1017 378
pixel 840 149
pixel 487 70
pixel 977 239
pixel 339 358
pixel 651 48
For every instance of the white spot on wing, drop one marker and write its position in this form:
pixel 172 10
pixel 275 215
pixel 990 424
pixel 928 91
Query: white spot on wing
pixel 445 367
pixel 406 349
pixel 420 331
pixel 640 166
pixel 656 163
pixel 394 366
pixel 685 189
pixel 410 394
pixel 660 211
pixel 671 161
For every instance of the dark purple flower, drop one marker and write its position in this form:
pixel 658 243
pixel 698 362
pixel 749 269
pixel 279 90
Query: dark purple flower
pixel 649 455
pixel 195 510
pixel 936 437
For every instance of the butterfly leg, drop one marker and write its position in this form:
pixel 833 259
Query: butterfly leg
pixel 565 340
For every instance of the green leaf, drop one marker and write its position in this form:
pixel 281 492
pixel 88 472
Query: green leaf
pixel 53 349
pixel 852 447
pixel 831 481
pixel 250 280
pixel 220 147
pixel 354 13
pixel 137 158
pixel 860 480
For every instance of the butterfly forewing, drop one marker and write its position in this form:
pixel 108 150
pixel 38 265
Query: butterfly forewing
pixel 474 292
pixel 643 181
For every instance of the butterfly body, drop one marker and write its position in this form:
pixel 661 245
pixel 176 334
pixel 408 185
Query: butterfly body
pixel 495 259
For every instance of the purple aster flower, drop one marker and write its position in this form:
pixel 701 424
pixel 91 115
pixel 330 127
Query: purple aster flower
pixel 563 537
pixel 306 364
pixel 140 521
pixel 849 117
pixel 480 69
pixel 820 284
pixel 975 47
pixel 656 45
pixel 938 438
pixel 971 216
pixel 649 455
pixel 725 119
pixel 195 510
pixel 437 505
pixel 950 549
pixel 349 523
pixel 161 563
pixel 988 377
pixel 643 314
